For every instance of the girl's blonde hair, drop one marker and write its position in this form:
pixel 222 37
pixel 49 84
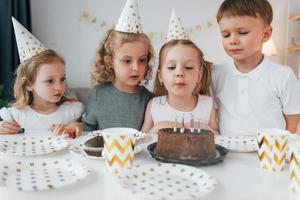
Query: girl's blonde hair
pixel 205 68
pixel 26 76
pixel 103 71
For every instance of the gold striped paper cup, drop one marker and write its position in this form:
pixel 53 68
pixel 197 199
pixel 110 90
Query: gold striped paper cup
pixel 118 148
pixel 272 146
pixel 294 170
pixel 292 138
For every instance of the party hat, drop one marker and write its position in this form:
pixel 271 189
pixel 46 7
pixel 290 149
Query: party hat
pixel 176 30
pixel 129 20
pixel 28 45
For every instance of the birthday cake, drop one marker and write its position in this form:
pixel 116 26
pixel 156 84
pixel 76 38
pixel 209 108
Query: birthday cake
pixel 194 145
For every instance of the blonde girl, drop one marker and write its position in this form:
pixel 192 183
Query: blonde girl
pixel 182 85
pixel 118 98
pixel 41 101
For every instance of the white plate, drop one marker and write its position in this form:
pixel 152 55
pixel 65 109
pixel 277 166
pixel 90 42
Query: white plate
pixel 41 174
pixel 167 181
pixel 237 143
pixel 31 146
pixel 77 149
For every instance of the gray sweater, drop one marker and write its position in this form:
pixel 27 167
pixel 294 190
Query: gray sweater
pixel 108 107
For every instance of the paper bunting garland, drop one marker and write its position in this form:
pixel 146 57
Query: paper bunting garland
pixel 103 24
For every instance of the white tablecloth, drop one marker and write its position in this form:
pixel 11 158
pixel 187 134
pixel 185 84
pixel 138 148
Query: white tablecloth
pixel 238 177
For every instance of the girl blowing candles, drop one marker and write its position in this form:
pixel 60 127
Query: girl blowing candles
pixel 182 83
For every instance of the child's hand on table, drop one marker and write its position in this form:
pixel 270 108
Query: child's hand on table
pixel 7 127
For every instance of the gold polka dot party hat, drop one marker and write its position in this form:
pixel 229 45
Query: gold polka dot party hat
pixel 176 30
pixel 129 20
pixel 28 45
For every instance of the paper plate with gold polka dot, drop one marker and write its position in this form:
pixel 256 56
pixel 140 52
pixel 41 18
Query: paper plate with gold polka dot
pixel 31 146
pixel 237 143
pixel 40 174
pixel 167 181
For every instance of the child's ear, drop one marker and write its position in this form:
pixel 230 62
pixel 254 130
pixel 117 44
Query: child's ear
pixel 159 75
pixel 28 87
pixel 267 33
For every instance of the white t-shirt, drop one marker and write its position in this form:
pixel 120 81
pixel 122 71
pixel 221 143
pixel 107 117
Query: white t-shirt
pixel 162 111
pixel 29 119
pixel 255 100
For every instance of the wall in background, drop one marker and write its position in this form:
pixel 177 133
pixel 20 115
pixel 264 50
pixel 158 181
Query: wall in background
pixel 75 27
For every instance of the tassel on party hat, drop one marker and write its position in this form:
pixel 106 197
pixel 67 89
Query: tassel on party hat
pixel 28 45
pixel 176 30
pixel 129 20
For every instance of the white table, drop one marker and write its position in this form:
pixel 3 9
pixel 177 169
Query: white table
pixel 238 176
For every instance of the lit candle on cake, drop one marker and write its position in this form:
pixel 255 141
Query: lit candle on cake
pixel 176 124
pixel 192 123
pixel 182 124
pixel 199 126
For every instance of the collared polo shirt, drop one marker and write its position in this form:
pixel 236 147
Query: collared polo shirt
pixel 254 100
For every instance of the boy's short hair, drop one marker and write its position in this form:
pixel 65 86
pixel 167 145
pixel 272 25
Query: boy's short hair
pixel 253 8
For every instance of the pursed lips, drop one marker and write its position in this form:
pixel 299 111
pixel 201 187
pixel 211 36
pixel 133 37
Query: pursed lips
pixel 180 84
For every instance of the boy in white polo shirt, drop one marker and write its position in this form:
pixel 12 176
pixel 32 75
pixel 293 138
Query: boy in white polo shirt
pixel 252 92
